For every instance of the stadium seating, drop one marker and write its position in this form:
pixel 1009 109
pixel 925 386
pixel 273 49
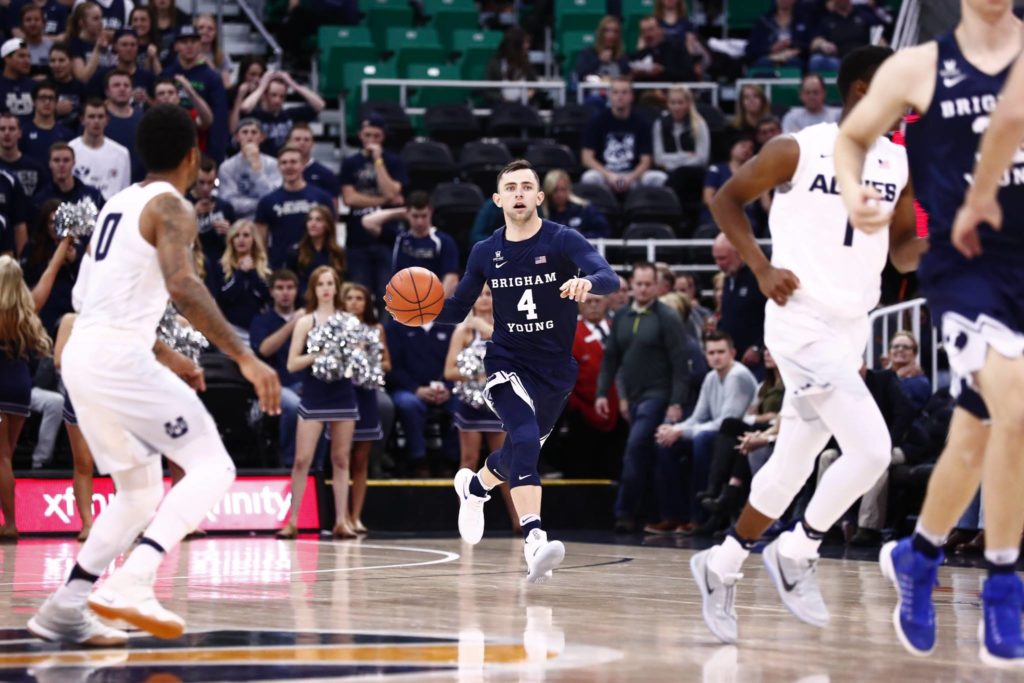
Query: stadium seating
pixel 452 124
pixel 455 206
pixel 428 164
pixel 414 46
pixel 475 49
pixel 450 16
pixel 547 156
pixel 603 199
pixel 384 15
pixel 479 163
pixel 339 47
pixel 568 122
pixel 652 205
pixel 426 97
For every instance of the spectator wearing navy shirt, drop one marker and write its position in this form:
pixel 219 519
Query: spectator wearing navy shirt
pixel 719 173
pixel 213 214
pixel 562 206
pixel 30 173
pixel 14 212
pixel 842 27
pixel 318 247
pixel 244 293
pixel 420 244
pixel 87 41
pixel 15 83
pixel 269 336
pixel 126 51
pixel 115 13
pixel 206 82
pixel 742 303
pixel 42 130
pixel 617 144
pixel 55 17
pixel 778 37
pixel 123 117
pixel 281 215
pixel 266 104
pixel 71 92
pixel 63 184
pixel 301 138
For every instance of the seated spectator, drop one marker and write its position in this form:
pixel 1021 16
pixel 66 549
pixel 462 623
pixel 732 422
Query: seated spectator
pixel 36 41
pixel 143 22
pixel 680 136
pixel 166 91
pixel 50 406
pixel 16 81
pixel 511 62
pixel 210 50
pixel 903 350
pixel 281 214
pixel 673 19
pixel 64 185
pixel 727 391
pixel 123 116
pixel 659 59
pixel 170 20
pixel 779 37
pixel 269 336
pixel 420 243
pixel 686 284
pixel 372 178
pixel 266 105
pixel 717 175
pixel 99 161
pixel 316 174
pixel 742 303
pixel 71 92
pixel 206 82
pixel 752 105
pixel 42 130
pixel 812 95
pixel 617 144
pixel 37 258
pixel 417 382
pixel 562 206
pixel 214 215
pixel 29 172
pixel 55 18
pixel 318 247
pixel 250 174
pixel 87 42
pixel 767 128
pixel 126 53
pixel 250 71
pixel 607 58
pixel 244 293
pixel 842 27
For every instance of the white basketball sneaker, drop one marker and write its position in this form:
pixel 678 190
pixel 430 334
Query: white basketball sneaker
pixel 797 583
pixel 471 510
pixel 542 556
pixel 130 597
pixel 63 624
pixel 718 595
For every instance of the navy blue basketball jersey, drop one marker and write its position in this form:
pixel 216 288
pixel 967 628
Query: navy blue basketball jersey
pixel 531 320
pixel 942 148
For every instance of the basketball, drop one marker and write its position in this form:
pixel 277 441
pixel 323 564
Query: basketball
pixel 414 296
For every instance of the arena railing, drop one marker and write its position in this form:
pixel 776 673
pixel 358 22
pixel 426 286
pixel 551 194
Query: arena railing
pixel 696 88
pixel 257 23
pixel 912 316
pixel 651 247
pixel 767 83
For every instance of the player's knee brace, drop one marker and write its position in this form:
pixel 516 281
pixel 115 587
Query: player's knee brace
pixel 496 463
pixel 525 452
pixel 523 474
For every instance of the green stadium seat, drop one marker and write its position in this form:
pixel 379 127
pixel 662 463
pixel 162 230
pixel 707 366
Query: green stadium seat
pixel 384 15
pixel 578 15
pixel 741 14
pixel 426 97
pixel 571 44
pixel 415 46
pixel 341 45
pixel 473 67
pixel 449 16
pixel 353 75
pixel 475 50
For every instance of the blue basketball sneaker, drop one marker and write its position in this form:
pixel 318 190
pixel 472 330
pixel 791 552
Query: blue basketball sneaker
pixel 1002 598
pixel 913 575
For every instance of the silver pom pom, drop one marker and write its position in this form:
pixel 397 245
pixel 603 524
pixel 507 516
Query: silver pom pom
pixel 334 342
pixel 367 359
pixel 181 337
pixel 470 363
pixel 75 218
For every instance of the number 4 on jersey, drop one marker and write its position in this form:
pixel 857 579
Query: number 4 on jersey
pixel 526 304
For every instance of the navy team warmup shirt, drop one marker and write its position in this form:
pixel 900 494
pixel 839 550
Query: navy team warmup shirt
pixel 284 213
pixel 531 320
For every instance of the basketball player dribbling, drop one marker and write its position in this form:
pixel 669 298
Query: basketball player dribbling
pixel 130 407
pixel 953 82
pixel 534 269
pixel 822 281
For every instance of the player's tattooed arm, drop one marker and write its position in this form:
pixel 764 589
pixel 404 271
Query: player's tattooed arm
pixel 173 224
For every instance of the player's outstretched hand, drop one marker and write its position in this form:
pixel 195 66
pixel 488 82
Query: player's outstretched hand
pixel 965 225
pixel 778 284
pixel 264 380
pixel 865 210
pixel 576 289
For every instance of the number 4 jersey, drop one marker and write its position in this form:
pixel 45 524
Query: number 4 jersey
pixel 839 268
pixel 123 287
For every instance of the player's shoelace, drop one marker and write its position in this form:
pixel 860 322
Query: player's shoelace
pixel 916 584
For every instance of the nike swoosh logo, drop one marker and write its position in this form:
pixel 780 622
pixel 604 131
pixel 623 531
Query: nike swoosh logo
pixel 524 477
pixel 825 156
pixel 499 265
pixel 950 82
pixel 707 584
pixel 785 584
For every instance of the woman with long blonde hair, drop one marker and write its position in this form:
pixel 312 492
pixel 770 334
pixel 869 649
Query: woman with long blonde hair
pixel 562 206
pixel 607 57
pixel 333 403
pixel 22 340
pixel 680 135
pixel 244 292
pixel 206 25
pixel 368 430
pixel 751 106
pixel 318 246
pixel 88 42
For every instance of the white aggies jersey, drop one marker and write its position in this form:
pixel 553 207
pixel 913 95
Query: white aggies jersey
pixel 124 289
pixel 840 269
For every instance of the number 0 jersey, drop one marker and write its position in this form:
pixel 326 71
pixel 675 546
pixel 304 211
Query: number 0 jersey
pixel 124 288
pixel 839 268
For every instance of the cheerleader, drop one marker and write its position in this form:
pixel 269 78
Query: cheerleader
pixel 322 402
pixel 22 339
pixel 368 429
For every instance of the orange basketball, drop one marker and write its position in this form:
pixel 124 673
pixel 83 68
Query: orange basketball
pixel 414 296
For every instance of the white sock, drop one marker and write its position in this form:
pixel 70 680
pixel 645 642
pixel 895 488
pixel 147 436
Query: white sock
pixel 1002 557
pixel 797 544
pixel 937 540
pixel 73 593
pixel 143 561
pixel 728 558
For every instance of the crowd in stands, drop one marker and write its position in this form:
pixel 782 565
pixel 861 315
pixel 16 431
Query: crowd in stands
pixel 676 392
